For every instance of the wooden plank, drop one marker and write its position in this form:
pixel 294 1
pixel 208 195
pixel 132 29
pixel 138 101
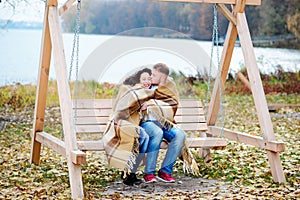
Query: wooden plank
pixel 65 102
pixel 192 143
pixel 225 60
pixel 90 128
pixel 65 7
pixel 190 103
pixel 227 13
pixel 247 139
pixel 107 112
pixel 91 120
pixel 206 142
pixel 41 91
pixel 51 142
pixel 100 128
pixel 95 103
pixel 90 145
pixel 259 95
pixel 104 120
pixel 108 103
pixel 93 112
pixel 248 2
pixel 276 106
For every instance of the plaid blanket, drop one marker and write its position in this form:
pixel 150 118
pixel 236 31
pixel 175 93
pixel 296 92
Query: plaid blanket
pixel 122 132
pixel 120 138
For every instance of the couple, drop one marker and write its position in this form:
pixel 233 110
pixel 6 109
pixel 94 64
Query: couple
pixel 143 115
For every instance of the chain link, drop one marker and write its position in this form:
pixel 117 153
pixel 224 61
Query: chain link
pixel 215 41
pixel 75 48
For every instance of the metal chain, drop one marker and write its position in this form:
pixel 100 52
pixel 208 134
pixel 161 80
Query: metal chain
pixel 75 40
pixel 215 40
pixel 219 68
pixel 75 46
pixel 77 56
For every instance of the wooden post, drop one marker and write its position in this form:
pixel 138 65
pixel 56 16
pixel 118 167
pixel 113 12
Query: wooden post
pixel 259 95
pixel 243 79
pixel 65 102
pixel 41 91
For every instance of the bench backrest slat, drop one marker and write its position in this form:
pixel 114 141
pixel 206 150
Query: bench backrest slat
pixel 93 114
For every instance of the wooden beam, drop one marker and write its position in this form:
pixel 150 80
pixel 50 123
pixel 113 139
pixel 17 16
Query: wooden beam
pixel 247 139
pixel 248 2
pixel 275 106
pixel 65 7
pixel 227 13
pixel 259 95
pixel 51 142
pixel 244 80
pixel 239 7
pixel 254 78
pixel 41 90
pixel 65 103
pixel 57 145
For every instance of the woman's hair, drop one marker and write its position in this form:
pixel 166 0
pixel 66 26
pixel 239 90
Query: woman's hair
pixel 135 78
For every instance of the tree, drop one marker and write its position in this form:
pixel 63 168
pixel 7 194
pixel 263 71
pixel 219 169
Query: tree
pixel 293 17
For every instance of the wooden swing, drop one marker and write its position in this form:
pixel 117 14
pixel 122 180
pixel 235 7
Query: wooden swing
pixel 189 116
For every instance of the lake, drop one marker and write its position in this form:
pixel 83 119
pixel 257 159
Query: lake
pixel 110 58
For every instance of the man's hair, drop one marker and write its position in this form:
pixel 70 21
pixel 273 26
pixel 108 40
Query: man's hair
pixel 163 68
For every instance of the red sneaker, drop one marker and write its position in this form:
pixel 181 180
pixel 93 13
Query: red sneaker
pixel 150 178
pixel 167 178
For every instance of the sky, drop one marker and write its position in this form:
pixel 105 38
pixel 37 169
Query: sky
pixel 32 10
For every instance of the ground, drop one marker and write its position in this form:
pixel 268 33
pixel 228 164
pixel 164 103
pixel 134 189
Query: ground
pixel 184 186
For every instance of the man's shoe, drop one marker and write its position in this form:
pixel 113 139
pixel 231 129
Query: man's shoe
pixel 131 179
pixel 150 178
pixel 167 178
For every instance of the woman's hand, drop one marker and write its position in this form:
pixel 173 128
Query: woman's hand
pixel 144 106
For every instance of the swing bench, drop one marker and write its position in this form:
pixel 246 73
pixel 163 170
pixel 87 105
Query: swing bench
pixel 92 115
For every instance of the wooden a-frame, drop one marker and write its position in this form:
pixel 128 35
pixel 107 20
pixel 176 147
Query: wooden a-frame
pixel 52 43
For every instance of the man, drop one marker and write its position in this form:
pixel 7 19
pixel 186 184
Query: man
pixel 160 124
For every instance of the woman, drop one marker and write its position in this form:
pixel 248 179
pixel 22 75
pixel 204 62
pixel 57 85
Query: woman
pixel 125 142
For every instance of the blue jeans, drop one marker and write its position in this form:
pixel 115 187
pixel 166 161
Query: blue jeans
pixel 174 136
pixel 143 145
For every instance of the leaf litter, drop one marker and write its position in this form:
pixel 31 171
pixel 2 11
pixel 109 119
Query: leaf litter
pixel 238 172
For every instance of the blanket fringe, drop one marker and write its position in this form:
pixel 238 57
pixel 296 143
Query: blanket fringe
pixel 189 163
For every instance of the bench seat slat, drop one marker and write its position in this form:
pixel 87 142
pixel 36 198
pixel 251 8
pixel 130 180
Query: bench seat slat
pixel 100 128
pixel 107 112
pixel 192 142
pixel 104 120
